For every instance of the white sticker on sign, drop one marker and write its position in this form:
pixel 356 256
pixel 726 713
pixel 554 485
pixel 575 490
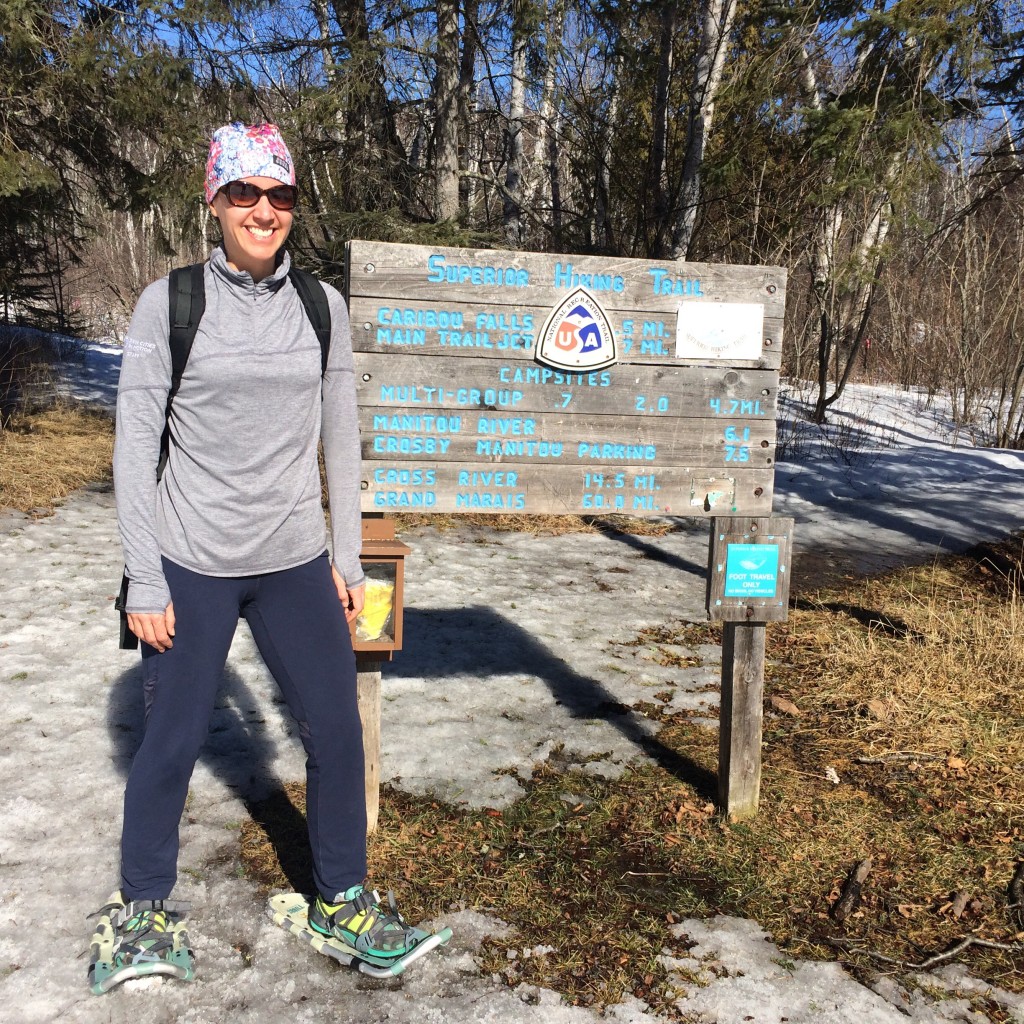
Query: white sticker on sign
pixel 719 330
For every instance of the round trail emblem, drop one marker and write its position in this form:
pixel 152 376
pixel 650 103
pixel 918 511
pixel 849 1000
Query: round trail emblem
pixel 577 335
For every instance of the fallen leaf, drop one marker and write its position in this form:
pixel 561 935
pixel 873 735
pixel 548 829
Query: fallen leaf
pixel 784 706
pixel 877 709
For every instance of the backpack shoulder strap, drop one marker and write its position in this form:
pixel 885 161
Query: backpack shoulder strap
pixel 314 301
pixel 187 298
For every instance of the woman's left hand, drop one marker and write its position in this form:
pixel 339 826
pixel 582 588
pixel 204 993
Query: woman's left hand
pixel 351 598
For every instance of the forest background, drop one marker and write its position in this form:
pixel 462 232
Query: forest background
pixel 869 146
pixel 872 148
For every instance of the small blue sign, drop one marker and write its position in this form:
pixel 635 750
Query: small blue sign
pixel 752 570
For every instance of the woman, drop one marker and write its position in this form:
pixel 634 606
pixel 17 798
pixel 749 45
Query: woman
pixel 234 528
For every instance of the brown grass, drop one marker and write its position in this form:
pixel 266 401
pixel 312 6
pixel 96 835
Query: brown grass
pixel 44 456
pixel 906 687
pixel 542 525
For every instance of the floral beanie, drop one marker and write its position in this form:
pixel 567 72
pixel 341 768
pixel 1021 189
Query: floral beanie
pixel 247 151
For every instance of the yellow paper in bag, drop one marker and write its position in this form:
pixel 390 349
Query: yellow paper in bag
pixel 380 595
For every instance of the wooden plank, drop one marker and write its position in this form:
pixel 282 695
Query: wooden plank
pixel 496 331
pixel 740 719
pixel 409 433
pixel 496 277
pixel 636 489
pixel 368 699
pixel 515 387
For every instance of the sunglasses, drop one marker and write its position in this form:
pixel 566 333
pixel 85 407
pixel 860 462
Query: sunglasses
pixel 241 193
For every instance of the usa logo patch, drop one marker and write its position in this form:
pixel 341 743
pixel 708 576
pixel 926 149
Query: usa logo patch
pixel 577 335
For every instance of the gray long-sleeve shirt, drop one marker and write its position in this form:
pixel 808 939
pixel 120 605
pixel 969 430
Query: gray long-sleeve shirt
pixel 240 493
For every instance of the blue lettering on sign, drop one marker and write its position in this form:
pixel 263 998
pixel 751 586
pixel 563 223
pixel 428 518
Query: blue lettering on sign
pixel 506 425
pixel 465 339
pixel 389 444
pixel 443 272
pixel 489 397
pixel 752 570
pixel 542 375
pixel 519 449
pixel 495 501
pixel 613 503
pixel 492 478
pixel 567 277
pixel 404 477
pixel 400 499
pixel 663 284
pixel 418 394
pixel 419 318
pixel 501 322
pixel 425 424
pixel 626 452
pixel 732 406
pixel 398 336
pixel 413 394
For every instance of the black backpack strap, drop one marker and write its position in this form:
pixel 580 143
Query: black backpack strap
pixel 186 296
pixel 314 300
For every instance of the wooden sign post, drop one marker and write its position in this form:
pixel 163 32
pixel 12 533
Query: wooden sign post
pixel 748 585
pixel 493 381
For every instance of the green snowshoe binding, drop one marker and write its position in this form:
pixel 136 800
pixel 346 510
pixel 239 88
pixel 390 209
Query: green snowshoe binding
pixel 359 920
pixel 136 939
pixel 359 930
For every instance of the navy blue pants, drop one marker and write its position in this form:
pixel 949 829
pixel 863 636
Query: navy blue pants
pixel 299 627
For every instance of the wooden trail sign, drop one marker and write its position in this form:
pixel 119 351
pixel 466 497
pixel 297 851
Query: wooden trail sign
pixel 493 381
pixel 464 409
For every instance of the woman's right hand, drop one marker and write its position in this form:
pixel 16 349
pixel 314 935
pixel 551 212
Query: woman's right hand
pixel 154 629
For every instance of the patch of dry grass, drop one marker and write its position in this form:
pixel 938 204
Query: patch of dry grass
pixel 905 688
pixel 546 525
pixel 44 456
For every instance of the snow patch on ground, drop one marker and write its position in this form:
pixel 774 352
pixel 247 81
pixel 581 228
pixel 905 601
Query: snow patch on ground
pixel 552 662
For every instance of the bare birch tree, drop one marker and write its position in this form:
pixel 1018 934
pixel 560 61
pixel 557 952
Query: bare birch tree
pixel 446 107
pixel 716 25
pixel 513 194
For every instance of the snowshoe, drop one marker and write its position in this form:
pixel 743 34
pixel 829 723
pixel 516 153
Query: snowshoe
pixel 136 939
pixel 358 931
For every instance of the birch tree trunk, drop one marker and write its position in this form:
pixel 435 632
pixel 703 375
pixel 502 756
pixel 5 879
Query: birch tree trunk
pixel 603 232
pixel 659 129
pixel 716 26
pixel 469 138
pixel 549 197
pixel 513 199
pixel 446 124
